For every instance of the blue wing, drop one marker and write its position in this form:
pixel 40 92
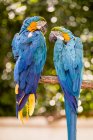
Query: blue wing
pixel 68 64
pixel 78 65
pixel 21 41
pixel 15 46
pixel 30 65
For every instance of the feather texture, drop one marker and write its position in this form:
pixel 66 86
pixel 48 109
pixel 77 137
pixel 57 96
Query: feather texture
pixel 29 65
pixel 68 63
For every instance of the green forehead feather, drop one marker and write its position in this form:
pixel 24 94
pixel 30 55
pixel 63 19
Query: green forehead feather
pixel 41 18
pixel 61 29
pixel 58 28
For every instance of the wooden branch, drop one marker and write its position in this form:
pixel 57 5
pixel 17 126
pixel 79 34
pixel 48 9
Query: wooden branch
pixel 54 80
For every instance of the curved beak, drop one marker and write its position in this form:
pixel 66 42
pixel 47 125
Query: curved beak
pixel 44 28
pixel 52 37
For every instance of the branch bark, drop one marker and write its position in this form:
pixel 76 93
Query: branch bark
pixel 54 80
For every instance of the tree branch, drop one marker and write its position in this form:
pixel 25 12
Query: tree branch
pixel 54 80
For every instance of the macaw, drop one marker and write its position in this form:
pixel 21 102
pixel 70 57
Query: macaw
pixel 68 61
pixel 29 50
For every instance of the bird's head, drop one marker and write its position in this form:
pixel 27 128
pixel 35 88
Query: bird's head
pixel 32 24
pixel 60 33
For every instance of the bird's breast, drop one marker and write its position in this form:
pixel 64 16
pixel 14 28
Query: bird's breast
pixel 71 53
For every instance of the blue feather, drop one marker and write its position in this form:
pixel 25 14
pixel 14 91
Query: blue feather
pixel 29 50
pixel 29 65
pixel 68 64
pixel 23 102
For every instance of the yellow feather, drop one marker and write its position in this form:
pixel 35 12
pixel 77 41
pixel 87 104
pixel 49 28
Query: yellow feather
pixel 20 115
pixel 29 108
pixel 27 111
pixel 32 27
pixel 31 102
pixel 66 36
pixel 16 89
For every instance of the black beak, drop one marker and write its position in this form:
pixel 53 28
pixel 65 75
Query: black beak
pixel 52 37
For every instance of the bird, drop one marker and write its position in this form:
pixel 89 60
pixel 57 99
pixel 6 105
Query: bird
pixel 68 62
pixel 29 51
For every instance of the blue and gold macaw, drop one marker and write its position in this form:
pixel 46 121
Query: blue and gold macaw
pixel 29 50
pixel 68 61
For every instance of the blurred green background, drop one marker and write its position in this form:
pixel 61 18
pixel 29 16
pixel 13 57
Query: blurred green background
pixel 74 15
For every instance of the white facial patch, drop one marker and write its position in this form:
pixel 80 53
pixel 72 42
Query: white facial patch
pixel 60 37
pixel 40 24
pixel 30 34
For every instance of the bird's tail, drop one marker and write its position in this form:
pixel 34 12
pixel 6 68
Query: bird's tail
pixel 71 99
pixel 25 103
pixel 71 121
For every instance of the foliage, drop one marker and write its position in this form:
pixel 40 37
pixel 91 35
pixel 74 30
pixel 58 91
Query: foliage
pixel 74 15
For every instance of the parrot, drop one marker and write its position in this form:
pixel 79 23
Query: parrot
pixel 29 51
pixel 68 62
